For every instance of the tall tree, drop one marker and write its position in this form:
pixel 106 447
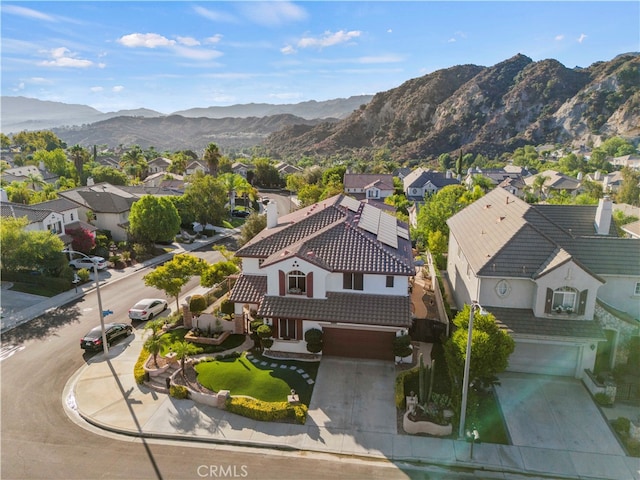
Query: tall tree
pixel 629 191
pixel 154 219
pixel 134 162
pixel 78 156
pixel 235 184
pixel 204 199
pixel 174 274
pixel 212 157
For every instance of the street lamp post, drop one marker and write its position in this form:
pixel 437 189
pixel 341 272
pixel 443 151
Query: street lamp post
pixel 465 380
pixel 105 347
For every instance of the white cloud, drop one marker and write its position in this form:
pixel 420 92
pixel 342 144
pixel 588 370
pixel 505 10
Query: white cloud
pixel 20 86
pixel 214 15
pixel 381 59
pixel 390 31
pixel 196 54
pixel 273 13
pixel 147 40
pixel 102 65
pixel 451 40
pixel 581 38
pixel 96 89
pixel 288 50
pixel 62 57
pixel 117 89
pixel 214 39
pixel 27 12
pixel 188 41
pixel 40 81
pixel 329 39
pixel 559 37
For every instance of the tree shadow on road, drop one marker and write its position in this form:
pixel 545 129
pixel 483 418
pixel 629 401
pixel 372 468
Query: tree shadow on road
pixel 44 325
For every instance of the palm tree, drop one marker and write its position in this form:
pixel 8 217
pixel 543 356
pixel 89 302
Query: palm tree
pixel 212 156
pixel 78 156
pixel 154 345
pixel 133 162
pixel 183 349
pixel 538 184
pixel 35 180
pixel 235 184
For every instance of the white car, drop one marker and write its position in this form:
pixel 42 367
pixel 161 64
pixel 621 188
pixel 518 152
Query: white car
pixel 87 262
pixel 147 308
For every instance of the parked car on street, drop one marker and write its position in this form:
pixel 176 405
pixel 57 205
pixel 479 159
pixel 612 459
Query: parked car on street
pixel 87 262
pixel 93 339
pixel 147 308
pixel 240 213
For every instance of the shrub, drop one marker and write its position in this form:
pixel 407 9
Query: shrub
pixel 402 346
pixel 314 347
pixel 621 425
pixel 138 369
pixel 401 380
pixel 83 275
pixel 313 335
pixel 178 391
pixel 266 411
pixel 197 304
pixel 602 399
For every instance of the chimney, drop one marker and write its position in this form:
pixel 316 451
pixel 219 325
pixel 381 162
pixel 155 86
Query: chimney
pixel 603 216
pixel 272 214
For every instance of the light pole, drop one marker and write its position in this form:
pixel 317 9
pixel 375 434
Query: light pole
pixel 105 347
pixel 465 380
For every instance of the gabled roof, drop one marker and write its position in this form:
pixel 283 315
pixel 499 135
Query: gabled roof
pixel 249 289
pixel 339 234
pixel 367 180
pixel 17 210
pixel 101 198
pixel 502 235
pixel 420 177
pixel 160 162
pixel 57 205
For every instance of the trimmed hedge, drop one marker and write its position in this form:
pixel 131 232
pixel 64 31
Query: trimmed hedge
pixel 266 411
pixel 178 391
pixel 138 369
pixel 401 379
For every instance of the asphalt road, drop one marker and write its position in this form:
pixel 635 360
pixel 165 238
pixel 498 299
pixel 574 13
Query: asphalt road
pixel 39 441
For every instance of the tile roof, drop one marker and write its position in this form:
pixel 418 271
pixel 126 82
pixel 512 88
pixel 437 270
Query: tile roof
pixel 249 289
pixel 16 210
pixel 365 180
pixel 361 309
pixel 101 198
pixel 420 177
pixel 522 322
pixel 334 236
pixel 57 205
pixel 502 235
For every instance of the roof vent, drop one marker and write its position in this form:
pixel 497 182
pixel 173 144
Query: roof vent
pixel 499 219
pixel 488 205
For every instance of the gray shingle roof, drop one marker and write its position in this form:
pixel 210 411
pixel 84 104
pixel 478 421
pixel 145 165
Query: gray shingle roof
pixel 502 235
pixel 521 322
pixel 364 180
pixel 57 205
pixel 362 309
pixel 17 210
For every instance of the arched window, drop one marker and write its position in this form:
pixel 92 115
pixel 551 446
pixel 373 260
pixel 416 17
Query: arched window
pixel 503 288
pixel 564 299
pixel 296 283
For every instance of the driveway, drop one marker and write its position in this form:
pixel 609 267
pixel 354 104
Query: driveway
pixel 354 395
pixel 554 413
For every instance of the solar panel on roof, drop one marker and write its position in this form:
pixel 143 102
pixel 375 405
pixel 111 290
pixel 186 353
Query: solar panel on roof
pixel 387 232
pixel 403 233
pixel 370 219
pixel 351 203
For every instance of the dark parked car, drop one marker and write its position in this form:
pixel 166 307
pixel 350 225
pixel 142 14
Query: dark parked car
pixel 93 339
pixel 240 213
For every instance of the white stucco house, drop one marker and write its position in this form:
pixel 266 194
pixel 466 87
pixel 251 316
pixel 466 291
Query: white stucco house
pixel 368 185
pixel 340 266
pixel 422 182
pixel 557 277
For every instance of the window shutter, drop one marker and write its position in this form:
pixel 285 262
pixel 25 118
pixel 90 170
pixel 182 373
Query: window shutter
pixel 346 281
pixel 298 329
pixel 358 281
pixel 549 301
pixel 282 283
pixel 310 284
pixel 582 303
pixel 274 327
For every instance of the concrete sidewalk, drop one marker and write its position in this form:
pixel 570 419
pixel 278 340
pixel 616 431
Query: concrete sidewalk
pixel 105 394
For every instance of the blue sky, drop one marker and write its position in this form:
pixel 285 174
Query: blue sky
pixel 170 56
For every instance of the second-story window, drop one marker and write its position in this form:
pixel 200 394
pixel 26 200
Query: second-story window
pixel 564 299
pixel 296 283
pixel 352 281
pixel 390 281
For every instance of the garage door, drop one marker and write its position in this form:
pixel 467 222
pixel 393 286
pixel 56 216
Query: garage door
pixel 342 342
pixel 544 359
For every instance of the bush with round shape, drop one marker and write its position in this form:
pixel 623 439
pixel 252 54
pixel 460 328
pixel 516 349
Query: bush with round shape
pixel 197 304
pixel 313 335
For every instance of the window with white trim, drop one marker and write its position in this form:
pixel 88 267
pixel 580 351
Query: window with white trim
pixel 503 288
pixel 296 283
pixel 564 299
pixel 352 281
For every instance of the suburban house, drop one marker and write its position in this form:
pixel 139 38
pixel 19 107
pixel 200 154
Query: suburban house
pixel 340 266
pixel 554 182
pixel 368 185
pixel 421 183
pixel 285 169
pixel 196 166
pixel 632 161
pixel 610 182
pixel 158 165
pixel 109 206
pixel 557 277
pixel 511 180
pixel 242 169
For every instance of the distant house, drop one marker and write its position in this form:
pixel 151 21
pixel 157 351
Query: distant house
pixel 368 186
pixel 196 166
pixel 21 174
pixel 421 183
pixel 557 277
pixel 166 181
pixel 158 165
pixel 109 206
pixel 401 172
pixel 285 169
pixel 632 161
pixel 242 169
pixel 512 181
pixel 610 182
pixel 555 182
pixel 339 266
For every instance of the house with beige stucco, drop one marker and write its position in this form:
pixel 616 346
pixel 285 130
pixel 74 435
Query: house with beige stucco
pixel 557 277
pixel 340 266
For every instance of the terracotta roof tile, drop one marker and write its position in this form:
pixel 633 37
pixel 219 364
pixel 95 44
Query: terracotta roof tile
pixel 249 289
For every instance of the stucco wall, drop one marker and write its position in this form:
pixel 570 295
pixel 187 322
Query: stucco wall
pixel 520 293
pixel 619 292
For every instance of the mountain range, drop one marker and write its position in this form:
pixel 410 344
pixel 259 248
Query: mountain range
pixel 469 108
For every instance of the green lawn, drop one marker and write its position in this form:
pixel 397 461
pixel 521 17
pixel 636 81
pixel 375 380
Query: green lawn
pixel 271 384
pixel 234 340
